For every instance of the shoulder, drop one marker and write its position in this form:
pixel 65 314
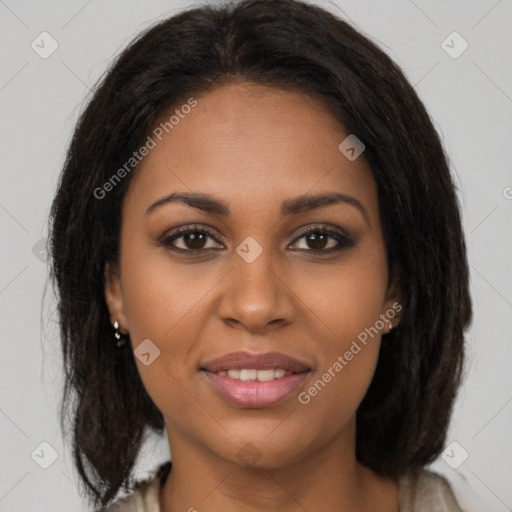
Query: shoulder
pixel 145 496
pixel 426 490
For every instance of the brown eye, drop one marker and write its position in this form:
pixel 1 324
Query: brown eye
pixel 321 240
pixel 317 240
pixel 192 239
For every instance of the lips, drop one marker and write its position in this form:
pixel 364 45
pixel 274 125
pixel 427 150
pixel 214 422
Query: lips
pixel 265 361
pixel 255 393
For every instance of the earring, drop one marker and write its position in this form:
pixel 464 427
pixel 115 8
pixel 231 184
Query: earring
pixel 390 326
pixel 120 337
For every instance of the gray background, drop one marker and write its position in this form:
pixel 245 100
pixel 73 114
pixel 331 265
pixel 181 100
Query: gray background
pixel 470 100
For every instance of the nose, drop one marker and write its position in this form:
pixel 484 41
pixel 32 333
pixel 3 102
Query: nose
pixel 256 296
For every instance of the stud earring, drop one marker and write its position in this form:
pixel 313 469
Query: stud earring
pixel 119 336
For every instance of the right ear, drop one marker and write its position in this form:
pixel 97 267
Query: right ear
pixel 114 297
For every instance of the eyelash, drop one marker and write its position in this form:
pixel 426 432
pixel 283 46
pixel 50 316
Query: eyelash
pixel 344 241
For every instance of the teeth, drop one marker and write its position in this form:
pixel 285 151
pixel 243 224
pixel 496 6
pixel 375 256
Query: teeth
pixel 253 374
pixel 264 375
pixel 248 374
pixel 234 374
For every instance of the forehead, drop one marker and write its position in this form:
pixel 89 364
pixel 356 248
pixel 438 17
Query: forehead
pixel 248 143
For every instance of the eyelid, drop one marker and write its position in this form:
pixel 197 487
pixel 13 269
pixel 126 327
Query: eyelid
pixel 342 238
pixel 178 232
pixel 329 230
pixel 321 227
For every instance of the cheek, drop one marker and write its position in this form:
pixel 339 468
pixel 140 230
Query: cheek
pixel 165 304
pixel 160 298
pixel 348 306
pixel 347 298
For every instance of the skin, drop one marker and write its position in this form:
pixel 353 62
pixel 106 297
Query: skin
pixel 254 147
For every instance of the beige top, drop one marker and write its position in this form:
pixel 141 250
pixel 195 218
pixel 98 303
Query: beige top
pixel 428 492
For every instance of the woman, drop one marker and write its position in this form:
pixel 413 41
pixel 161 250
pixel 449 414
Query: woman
pixel 257 245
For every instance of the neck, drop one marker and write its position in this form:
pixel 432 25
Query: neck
pixel 329 478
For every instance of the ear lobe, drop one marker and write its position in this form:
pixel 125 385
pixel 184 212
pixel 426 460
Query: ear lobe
pixel 113 295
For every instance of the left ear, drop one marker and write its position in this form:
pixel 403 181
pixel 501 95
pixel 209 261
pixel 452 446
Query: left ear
pixel 114 298
pixel 393 304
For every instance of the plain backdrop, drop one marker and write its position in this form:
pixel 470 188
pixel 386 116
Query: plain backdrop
pixel 469 96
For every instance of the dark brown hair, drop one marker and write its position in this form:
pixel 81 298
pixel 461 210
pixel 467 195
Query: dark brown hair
pixel 403 419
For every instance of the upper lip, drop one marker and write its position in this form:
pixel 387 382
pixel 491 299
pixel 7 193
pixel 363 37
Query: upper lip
pixel 245 360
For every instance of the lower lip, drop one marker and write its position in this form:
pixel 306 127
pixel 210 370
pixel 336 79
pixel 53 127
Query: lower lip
pixel 255 394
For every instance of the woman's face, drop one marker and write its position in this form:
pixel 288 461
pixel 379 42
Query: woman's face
pixel 255 285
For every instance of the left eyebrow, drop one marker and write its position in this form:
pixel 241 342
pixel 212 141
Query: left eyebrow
pixel 208 203
pixel 203 202
pixel 309 202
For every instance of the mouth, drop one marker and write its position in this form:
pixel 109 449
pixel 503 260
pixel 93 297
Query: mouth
pixel 255 380
pixel 264 361
pixel 252 374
